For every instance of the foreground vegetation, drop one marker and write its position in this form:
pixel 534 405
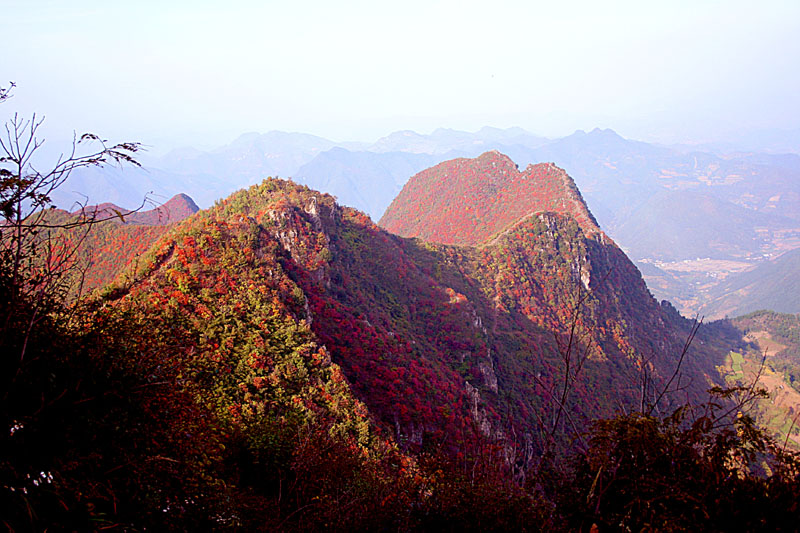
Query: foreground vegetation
pixel 101 434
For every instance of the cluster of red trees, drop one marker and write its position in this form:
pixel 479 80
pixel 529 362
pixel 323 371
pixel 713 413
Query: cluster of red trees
pixel 467 201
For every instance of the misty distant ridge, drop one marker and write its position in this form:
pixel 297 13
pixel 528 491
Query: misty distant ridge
pixel 213 174
pixel 769 141
pixel 444 140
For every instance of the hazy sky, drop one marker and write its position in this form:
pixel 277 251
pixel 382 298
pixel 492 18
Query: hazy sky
pixel 194 72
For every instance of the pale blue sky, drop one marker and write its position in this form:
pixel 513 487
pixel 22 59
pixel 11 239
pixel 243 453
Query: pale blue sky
pixel 194 72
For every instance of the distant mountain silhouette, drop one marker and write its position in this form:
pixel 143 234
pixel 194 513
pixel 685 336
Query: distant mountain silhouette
pixel 174 210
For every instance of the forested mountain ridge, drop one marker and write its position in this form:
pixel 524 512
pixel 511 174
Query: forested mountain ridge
pixel 438 340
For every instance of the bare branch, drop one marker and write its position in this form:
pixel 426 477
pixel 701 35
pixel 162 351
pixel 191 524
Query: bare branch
pixel 676 373
pixel 36 259
pixel 5 92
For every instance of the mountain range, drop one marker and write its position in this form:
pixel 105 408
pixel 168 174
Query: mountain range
pixel 663 205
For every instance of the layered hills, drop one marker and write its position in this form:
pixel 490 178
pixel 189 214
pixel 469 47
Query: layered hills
pixel 723 205
pixel 173 210
pixel 117 237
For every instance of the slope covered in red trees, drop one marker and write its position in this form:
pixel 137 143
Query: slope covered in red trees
pixel 115 240
pixel 465 201
pixel 441 343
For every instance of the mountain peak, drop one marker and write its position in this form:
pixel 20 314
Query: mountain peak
pixel 181 202
pixel 607 132
pixel 173 210
pixel 466 201
pixel 496 158
pixel 597 133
